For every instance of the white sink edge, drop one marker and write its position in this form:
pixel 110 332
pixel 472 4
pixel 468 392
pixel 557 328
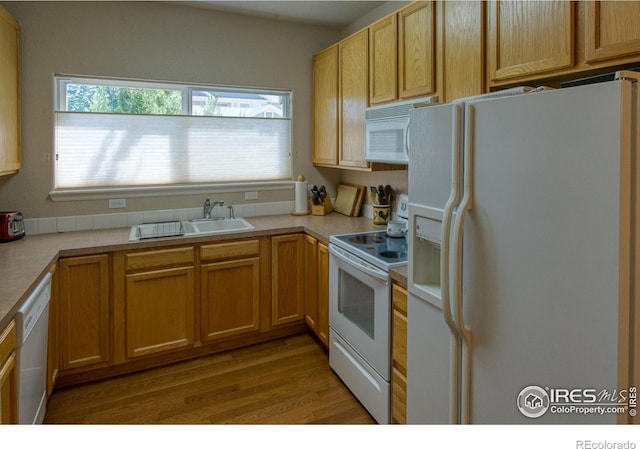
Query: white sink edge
pixel 246 226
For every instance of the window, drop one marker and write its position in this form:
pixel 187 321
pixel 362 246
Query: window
pixel 119 134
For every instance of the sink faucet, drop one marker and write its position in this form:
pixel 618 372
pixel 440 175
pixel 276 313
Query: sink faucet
pixel 207 209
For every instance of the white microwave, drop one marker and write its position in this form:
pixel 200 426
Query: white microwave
pixel 387 129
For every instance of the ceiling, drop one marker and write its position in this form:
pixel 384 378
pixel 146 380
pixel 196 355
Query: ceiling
pixel 327 13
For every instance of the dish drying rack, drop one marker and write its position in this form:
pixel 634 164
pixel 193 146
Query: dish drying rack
pixel 159 229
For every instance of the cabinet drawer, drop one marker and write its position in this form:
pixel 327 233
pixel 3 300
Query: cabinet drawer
pixel 159 258
pixel 231 250
pixel 7 341
pixel 399 298
pixel 399 341
pixel 399 397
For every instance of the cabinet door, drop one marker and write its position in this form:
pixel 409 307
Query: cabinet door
pixel 53 355
pixel 287 283
pixel 399 357
pixel 84 311
pixel 461 49
pixel 325 107
pixel 159 311
pixel 9 94
pixel 8 376
pixel 311 282
pixel 383 51
pixel 416 50
pixel 230 298
pixel 354 92
pixel 323 294
pixel 612 29
pixel 529 38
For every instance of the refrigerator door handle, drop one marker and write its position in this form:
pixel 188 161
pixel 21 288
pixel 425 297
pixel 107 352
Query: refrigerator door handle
pixel 449 207
pixel 466 203
pixel 407 138
pixel 445 264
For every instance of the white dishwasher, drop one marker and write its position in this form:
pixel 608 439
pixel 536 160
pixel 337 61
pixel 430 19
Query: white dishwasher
pixel 32 323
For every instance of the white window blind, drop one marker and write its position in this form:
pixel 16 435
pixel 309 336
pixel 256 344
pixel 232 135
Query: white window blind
pixel 107 150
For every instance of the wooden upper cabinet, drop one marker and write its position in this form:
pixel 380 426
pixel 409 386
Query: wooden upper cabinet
pixel 416 43
pixel 354 93
pixel 461 61
pixel 529 38
pixel 383 57
pixel 325 107
pixel 612 29
pixel 10 158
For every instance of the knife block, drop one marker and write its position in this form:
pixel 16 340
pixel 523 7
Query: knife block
pixel 322 209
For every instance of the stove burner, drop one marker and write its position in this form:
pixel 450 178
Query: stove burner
pixel 393 254
pixel 366 239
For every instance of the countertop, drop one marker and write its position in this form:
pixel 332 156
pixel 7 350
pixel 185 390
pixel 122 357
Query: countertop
pixel 24 262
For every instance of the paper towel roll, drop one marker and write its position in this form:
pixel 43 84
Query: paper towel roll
pixel 301 197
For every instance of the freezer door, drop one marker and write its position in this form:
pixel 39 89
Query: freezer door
pixel 431 366
pixel 546 252
pixel 430 156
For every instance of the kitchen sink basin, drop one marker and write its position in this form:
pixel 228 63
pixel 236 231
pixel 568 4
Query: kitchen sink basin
pixel 188 228
pixel 222 225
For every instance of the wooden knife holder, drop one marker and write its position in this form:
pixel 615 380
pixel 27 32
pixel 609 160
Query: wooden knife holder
pixel 322 209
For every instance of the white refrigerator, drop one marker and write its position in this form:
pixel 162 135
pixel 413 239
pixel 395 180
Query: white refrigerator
pixel 523 258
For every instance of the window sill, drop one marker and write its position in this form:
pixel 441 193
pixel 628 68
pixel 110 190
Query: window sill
pixel 142 192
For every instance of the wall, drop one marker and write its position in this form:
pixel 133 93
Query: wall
pixel 383 10
pixel 153 40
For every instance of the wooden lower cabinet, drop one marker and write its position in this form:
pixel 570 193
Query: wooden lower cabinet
pixel 323 294
pixel 158 302
pixel 229 289
pixel 53 351
pixel 287 282
pixel 159 311
pixel 316 276
pixel 8 376
pixel 311 281
pixel 136 309
pixel 399 356
pixel 84 312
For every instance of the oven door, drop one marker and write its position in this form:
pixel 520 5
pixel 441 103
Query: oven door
pixel 360 307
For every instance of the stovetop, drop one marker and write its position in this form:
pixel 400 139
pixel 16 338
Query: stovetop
pixel 375 247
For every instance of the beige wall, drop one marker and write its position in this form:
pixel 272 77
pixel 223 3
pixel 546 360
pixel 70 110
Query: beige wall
pixel 164 41
pixel 149 40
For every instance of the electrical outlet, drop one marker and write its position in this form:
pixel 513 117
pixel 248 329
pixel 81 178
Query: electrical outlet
pixel 250 195
pixel 118 203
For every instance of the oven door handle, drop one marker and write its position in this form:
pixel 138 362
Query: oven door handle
pixel 359 264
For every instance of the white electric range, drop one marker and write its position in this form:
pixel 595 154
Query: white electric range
pixel 360 313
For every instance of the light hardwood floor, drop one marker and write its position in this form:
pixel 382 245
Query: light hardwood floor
pixel 287 381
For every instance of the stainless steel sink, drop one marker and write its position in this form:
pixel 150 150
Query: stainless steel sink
pixel 219 226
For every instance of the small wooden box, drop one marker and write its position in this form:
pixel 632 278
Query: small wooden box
pixel 322 209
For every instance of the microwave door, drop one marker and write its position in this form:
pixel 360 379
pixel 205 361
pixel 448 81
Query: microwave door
pixel 385 140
